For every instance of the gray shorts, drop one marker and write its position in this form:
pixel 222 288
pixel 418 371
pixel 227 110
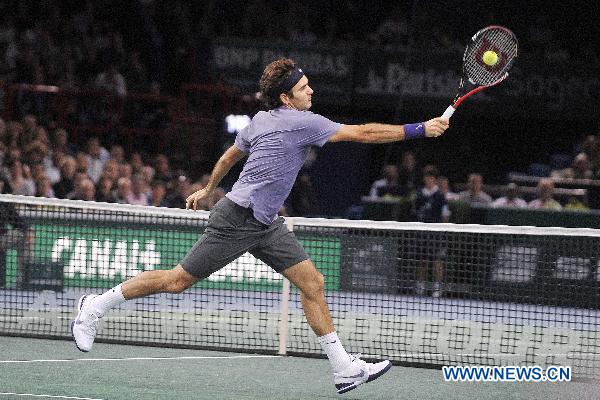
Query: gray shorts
pixel 232 231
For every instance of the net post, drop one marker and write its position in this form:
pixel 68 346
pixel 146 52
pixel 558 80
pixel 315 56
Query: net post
pixel 285 305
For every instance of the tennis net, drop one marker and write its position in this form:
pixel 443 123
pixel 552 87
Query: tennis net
pixel 509 295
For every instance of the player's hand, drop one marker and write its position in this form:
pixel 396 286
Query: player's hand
pixel 194 199
pixel 436 126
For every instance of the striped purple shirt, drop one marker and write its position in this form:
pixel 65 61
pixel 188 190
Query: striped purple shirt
pixel 277 142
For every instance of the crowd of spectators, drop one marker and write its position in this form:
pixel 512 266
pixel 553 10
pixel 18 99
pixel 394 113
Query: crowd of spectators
pixel 583 165
pixel 77 47
pixel 154 46
pixel 36 163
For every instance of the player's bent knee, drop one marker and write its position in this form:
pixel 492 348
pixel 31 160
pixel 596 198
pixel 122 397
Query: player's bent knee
pixel 180 280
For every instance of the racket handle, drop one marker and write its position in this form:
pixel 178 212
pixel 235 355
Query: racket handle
pixel 448 113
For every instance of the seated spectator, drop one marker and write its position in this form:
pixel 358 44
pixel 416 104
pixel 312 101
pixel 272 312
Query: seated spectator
pixel 30 126
pixel 138 194
pixel 19 178
pixel 158 194
pixel 41 135
pixel 407 174
pixel 125 171
pixel 123 193
pixel 67 172
pixel 111 170
pixel 52 168
pixel 162 169
pixel 82 162
pixel 580 169
pixel 36 152
pixel 575 203
pixel 148 174
pixel 61 143
pixel 104 190
pixel 43 187
pixel 96 158
pixel 512 198
pixel 137 163
pixel 545 198
pixel 37 171
pixel 84 190
pixel 14 131
pixel 181 191
pixel 77 191
pixel 475 195
pixel 117 153
pixel 444 185
pixel 389 185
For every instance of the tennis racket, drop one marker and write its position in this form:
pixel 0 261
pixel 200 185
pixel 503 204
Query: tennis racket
pixel 486 61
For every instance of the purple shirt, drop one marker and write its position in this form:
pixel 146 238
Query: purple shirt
pixel 277 142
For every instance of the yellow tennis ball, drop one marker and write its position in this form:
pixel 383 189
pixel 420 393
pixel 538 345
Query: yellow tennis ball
pixel 490 58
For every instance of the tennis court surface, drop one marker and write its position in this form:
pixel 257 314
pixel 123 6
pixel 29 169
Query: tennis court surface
pixel 39 368
pixel 512 296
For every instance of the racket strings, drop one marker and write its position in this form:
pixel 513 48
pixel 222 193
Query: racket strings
pixel 498 40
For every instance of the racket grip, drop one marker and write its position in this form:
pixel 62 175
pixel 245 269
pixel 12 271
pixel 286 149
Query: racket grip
pixel 448 113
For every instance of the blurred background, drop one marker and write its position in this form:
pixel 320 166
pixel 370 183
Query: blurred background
pixel 133 102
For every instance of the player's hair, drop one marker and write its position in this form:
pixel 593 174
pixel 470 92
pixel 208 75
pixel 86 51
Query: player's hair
pixel 272 77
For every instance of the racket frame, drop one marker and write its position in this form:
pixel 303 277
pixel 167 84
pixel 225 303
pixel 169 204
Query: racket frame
pixel 459 99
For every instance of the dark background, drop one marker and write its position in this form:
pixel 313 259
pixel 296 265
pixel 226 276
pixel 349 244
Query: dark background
pixel 557 39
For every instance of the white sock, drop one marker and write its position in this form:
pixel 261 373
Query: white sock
pixel 108 299
pixel 332 346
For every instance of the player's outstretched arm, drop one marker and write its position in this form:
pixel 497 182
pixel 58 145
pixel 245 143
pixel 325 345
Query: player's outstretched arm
pixel 384 133
pixel 231 156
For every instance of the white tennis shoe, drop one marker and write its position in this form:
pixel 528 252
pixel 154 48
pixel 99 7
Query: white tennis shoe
pixel 83 327
pixel 359 372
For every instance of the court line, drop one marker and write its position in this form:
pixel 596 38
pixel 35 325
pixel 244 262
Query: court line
pixel 47 396
pixel 426 355
pixel 135 359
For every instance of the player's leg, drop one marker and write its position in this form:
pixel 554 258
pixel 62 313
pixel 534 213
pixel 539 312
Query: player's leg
pixel 349 371
pixel 311 283
pixel 281 250
pixel 93 307
pixel 221 243
pixel 175 280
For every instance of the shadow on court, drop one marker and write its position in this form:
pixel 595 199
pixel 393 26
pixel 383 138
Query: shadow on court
pixel 56 369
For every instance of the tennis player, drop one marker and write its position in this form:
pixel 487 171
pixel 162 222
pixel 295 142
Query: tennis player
pixel 276 143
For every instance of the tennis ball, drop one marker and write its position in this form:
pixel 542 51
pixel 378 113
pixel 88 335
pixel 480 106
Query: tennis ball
pixel 490 58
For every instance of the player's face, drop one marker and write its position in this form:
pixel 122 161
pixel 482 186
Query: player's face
pixel 301 98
